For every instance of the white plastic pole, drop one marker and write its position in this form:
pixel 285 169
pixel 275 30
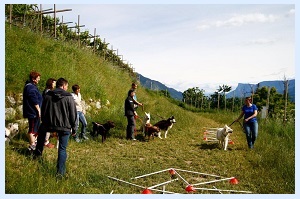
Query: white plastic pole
pixel 126 182
pixel 181 177
pixel 199 173
pixel 217 189
pixel 213 181
pixel 163 191
pixel 150 174
pixel 163 183
pixel 222 190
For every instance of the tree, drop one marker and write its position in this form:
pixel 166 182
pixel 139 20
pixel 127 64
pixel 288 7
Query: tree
pixel 224 89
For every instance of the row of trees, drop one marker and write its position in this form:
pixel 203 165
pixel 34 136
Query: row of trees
pixel 276 103
pixel 30 16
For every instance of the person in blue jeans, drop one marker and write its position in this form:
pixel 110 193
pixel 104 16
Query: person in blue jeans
pixel 59 115
pixel 249 111
pixel 80 115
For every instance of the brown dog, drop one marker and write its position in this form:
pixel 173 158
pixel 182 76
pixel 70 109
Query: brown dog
pixel 151 130
pixel 102 129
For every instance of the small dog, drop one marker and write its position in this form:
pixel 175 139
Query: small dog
pixel 151 130
pixel 11 131
pixel 165 125
pixel 102 129
pixel 223 136
pixel 146 121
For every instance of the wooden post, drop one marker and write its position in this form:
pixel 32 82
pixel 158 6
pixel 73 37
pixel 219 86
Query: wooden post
pixel 10 14
pixel 104 48
pixel 41 22
pixel 285 101
pixel 94 40
pixel 78 31
pixel 54 21
pixel 233 98
pixel 218 101
pixel 268 101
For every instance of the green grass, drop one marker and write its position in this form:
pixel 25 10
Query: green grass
pixel 268 169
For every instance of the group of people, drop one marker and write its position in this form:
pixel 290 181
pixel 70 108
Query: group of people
pixel 55 110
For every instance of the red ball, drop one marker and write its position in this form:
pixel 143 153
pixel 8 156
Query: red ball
pixel 146 191
pixel 190 188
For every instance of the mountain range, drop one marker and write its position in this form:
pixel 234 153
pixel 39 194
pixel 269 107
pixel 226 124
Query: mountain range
pixel 243 89
pixel 156 85
pixel 246 89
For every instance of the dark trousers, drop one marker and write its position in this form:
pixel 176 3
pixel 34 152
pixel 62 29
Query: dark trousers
pixel 130 127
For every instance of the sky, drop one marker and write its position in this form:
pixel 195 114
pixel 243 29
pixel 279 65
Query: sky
pixel 185 44
pixel 195 45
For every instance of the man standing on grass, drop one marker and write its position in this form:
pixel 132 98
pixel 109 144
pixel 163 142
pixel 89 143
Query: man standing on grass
pixel 58 115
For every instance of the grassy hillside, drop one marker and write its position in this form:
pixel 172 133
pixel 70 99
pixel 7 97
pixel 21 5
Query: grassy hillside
pixel 269 168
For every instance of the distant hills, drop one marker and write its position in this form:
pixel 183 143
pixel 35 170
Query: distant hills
pixel 156 85
pixel 242 89
pixel 246 89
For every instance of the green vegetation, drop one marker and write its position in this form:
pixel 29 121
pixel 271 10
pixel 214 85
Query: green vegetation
pixel 268 169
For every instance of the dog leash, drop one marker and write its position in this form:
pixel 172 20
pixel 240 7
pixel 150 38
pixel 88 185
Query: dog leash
pixel 232 123
pixel 240 125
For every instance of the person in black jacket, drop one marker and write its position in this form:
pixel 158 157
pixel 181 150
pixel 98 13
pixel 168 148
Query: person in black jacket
pixel 130 113
pixel 58 115
pixel 32 101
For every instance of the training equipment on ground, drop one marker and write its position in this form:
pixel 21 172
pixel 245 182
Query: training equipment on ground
pixel 187 181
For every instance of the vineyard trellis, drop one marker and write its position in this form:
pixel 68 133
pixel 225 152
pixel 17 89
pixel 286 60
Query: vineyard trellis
pixel 36 19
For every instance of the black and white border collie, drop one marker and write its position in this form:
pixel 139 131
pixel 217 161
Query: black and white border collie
pixel 165 125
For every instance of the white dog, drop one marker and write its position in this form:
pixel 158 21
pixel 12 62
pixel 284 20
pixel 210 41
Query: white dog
pixel 11 130
pixel 223 136
pixel 146 121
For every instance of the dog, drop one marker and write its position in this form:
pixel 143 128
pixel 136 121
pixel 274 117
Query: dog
pixel 165 125
pixel 151 130
pixel 146 121
pixel 223 136
pixel 11 131
pixel 102 129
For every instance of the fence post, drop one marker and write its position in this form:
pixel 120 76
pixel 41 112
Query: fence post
pixel 10 15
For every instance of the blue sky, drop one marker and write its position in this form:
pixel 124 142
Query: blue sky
pixel 206 44
pixel 196 45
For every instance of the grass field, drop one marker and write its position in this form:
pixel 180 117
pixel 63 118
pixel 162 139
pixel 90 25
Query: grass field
pixel 268 169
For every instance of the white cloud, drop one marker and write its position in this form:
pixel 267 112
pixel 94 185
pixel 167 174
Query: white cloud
pixel 290 13
pixel 239 20
pixel 264 41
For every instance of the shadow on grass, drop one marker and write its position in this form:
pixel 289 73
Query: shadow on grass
pixel 20 148
pixel 213 146
pixel 206 146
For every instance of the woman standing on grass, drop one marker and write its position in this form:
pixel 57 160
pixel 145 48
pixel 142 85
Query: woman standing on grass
pixel 249 111
pixel 80 115
pixel 32 101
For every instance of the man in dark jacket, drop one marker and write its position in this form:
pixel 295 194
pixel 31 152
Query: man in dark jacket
pixel 58 115
pixel 130 113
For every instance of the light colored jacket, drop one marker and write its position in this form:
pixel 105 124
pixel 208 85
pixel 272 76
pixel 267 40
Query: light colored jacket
pixel 77 99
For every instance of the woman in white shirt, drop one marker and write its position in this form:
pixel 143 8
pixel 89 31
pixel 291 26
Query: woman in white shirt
pixel 80 115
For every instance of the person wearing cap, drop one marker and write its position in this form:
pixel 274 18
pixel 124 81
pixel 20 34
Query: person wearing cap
pixel 249 111
pixel 130 113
